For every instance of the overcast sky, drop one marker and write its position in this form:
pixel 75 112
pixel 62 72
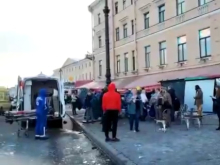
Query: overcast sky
pixel 39 35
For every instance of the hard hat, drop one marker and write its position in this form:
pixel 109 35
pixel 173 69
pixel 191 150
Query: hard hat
pixel 138 88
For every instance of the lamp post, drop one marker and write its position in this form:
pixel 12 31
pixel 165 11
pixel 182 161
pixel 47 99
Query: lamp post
pixel 107 51
pixel 60 74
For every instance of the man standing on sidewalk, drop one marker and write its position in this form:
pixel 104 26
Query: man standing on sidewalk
pixel 111 105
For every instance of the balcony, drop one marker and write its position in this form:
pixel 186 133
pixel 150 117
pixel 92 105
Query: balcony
pixel 124 41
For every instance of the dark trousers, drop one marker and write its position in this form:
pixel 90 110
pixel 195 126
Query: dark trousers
pixel 134 118
pixel 218 114
pixel 74 108
pixel 172 114
pixel 111 119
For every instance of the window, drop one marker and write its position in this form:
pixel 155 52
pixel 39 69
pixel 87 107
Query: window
pixel 117 34
pixel 100 67
pixel 180 5
pixel 116 7
pixel 146 20
pixel 124 4
pixel 205 42
pixel 133 61
pixel 125 30
pixel 126 62
pixel 132 2
pixel 118 64
pixel 147 56
pixel 203 2
pixel 132 27
pixel 181 48
pixel 99 18
pixel 161 13
pixel 163 52
pixel 89 64
pixel 100 41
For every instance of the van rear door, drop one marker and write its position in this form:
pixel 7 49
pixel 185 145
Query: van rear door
pixel 61 97
pixel 18 93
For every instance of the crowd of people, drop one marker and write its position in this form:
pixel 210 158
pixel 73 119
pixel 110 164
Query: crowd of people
pixel 136 104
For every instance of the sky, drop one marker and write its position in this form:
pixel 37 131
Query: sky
pixel 39 35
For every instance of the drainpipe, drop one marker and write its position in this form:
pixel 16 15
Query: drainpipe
pixel 135 36
pixel 93 56
pixel 112 35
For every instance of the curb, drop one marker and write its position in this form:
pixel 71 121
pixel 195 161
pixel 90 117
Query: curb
pixel 117 157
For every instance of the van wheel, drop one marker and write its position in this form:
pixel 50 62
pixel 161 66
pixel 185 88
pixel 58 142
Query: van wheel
pixel 1 111
pixel 55 123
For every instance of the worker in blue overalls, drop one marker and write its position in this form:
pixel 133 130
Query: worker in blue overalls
pixel 41 114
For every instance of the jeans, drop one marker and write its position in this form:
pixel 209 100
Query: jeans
pixel 134 118
pixel 89 114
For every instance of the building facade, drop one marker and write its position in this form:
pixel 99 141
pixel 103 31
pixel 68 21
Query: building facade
pixel 156 36
pixel 72 70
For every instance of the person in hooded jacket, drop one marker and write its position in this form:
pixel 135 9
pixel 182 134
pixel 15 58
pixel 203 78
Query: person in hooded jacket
pixel 111 105
pixel 41 114
pixel 216 105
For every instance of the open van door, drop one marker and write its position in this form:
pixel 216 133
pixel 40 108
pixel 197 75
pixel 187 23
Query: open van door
pixel 18 93
pixel 61 97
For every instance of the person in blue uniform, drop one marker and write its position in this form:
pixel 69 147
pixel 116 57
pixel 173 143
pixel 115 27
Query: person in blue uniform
pixel 41 114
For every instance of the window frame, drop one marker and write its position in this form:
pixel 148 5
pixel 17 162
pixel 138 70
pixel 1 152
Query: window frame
pixel 133 61
pixel 132 27
pixel 126 62
pixel 124 4
pixel 205 2
pixel 204 38
pixel 100 67
pixel 118 64
pixel 116 7
pixel 163 53
pixel 161 13
pixel 100 41
pixel 146 20
pixel 147 56
pixel 184 53
pixel 99 18
pixel 125 30
pixel 117 34
pixel 178 4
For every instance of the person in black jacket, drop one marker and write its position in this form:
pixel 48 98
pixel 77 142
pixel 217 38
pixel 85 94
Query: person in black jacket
pixel 172 93
pixel 216 108
pixel 104 90
pixel 88 106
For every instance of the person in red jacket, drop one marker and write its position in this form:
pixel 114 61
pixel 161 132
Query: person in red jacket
pixel 111 105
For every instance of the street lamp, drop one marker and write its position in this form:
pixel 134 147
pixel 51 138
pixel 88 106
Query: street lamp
pixel 60 74
pixel 107 51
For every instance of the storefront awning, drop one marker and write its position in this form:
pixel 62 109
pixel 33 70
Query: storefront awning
pixel 82 82
pixel 119 83
pixel 153 79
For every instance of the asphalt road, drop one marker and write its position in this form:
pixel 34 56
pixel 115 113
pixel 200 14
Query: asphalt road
pixel 65 147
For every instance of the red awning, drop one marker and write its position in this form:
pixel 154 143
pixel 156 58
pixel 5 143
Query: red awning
pixel 82 82
pixel 153 79
pixel 93 85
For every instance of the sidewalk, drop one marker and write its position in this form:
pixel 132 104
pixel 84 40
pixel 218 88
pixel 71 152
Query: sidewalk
pixel 153 147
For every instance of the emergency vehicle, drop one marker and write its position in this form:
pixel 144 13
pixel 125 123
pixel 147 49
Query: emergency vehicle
pixel 27 92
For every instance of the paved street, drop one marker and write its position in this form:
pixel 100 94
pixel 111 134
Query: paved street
pixel 65 147
pixel 153 147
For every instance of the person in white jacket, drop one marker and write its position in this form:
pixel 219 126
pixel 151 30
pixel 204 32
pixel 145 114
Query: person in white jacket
pixel 144 101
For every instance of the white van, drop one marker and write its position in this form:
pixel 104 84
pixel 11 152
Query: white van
pixel 29 91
